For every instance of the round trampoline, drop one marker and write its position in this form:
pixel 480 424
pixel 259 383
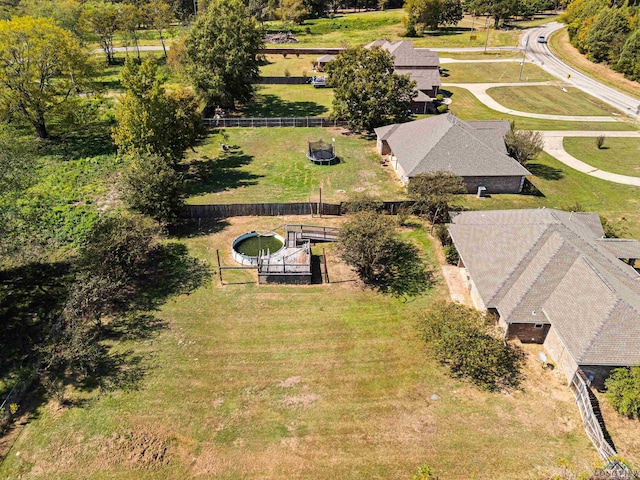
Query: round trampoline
pixel 321 152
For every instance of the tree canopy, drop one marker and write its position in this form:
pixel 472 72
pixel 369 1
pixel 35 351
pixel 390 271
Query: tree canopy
pixel 367 91
pixel 221 54
pixel 151 121
pixel 370 244
pixel 431 13
pixel 102 19
pixel 623 391
pixel 41 66
pixel 433 193
pixel 462 340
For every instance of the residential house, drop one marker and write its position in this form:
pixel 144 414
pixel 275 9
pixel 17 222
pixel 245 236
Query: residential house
pixel 474 151
pixel 421 64
pixel 553 278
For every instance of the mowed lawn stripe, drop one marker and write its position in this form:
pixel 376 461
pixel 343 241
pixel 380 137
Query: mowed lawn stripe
pixel 550 100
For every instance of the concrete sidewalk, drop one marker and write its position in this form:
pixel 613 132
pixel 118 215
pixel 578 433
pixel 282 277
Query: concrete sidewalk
pixel 553 145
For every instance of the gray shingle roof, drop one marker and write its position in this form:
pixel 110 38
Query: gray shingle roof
pixel 425 79
pixel 549 266
pixel 446 143
pixel 326 58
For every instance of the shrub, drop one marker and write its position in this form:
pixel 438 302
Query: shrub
pixel 424 473
pixel 287 73
pixel 439 97
pixel 451 254
pixel 460 339
pixel 523 145
pixel 363 202
pixel 623 391
pixel 444 108
pixel 600 141
pixel 442 234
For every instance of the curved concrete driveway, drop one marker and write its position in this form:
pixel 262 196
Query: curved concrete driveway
pixel 553 145
pixel 479 90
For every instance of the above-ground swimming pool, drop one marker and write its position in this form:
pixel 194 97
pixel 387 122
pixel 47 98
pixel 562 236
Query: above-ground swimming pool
pixel 247 247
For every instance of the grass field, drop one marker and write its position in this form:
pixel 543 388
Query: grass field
pixel 468 107
pixel 365 27
pixel 290 101
pixel 492 72
pixel 297 66
pixel 619 155
pixel 561 47
pixel 551 100
pixel 324 382
pixel 270 165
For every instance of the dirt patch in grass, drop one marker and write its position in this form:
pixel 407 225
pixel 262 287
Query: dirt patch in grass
pixel 302 400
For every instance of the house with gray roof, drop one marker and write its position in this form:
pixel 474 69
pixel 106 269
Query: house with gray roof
pixel 553 278
pixel 421 64
pixel 474 151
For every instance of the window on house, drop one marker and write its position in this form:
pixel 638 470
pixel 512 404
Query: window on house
pixel 538 325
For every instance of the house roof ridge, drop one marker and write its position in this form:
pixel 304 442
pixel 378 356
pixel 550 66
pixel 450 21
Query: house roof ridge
pixel 537 244
pixel 552 256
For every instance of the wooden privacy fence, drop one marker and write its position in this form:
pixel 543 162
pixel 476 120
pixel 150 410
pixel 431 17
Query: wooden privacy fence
pixel 591 417
pixel 284 80
pixel 224 210
pixel 226 122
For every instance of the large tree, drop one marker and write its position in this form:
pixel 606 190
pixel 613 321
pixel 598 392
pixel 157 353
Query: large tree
pixel 221 53
pixel 367 92
pixel 623 391
pixel 158 15
pixel 103 20
pixel 41 66
pixel 629 61
pixel 151 121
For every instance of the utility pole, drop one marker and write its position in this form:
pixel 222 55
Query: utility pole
pixel 524 57
pixel 486 27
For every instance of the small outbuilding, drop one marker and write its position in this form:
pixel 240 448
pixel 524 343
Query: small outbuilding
pixel 474 151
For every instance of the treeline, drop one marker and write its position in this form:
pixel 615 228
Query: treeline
pixel 430 14
pixel 607 32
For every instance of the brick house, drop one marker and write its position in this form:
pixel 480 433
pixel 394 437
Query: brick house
pixel 421 64
pixel 474 151
pixel 552 278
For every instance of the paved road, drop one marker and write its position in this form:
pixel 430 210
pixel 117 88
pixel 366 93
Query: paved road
pixel 553 145
pixel 479 90
pixel 541 54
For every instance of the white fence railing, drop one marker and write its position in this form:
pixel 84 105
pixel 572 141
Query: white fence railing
pixel 580 387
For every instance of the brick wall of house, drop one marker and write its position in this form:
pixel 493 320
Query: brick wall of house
pixel 494 184
pixel 559 354
pixel 527 332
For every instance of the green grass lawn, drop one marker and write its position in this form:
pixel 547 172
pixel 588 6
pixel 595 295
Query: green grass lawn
pixel 468 107
pixel 270 165
pixel 492 72
pixel 297 66
pixel 365 27
pixel 551 100
pixel 490 55
pixel 563 187
pixel 324 382
pixel 619 155
pixel 290 101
